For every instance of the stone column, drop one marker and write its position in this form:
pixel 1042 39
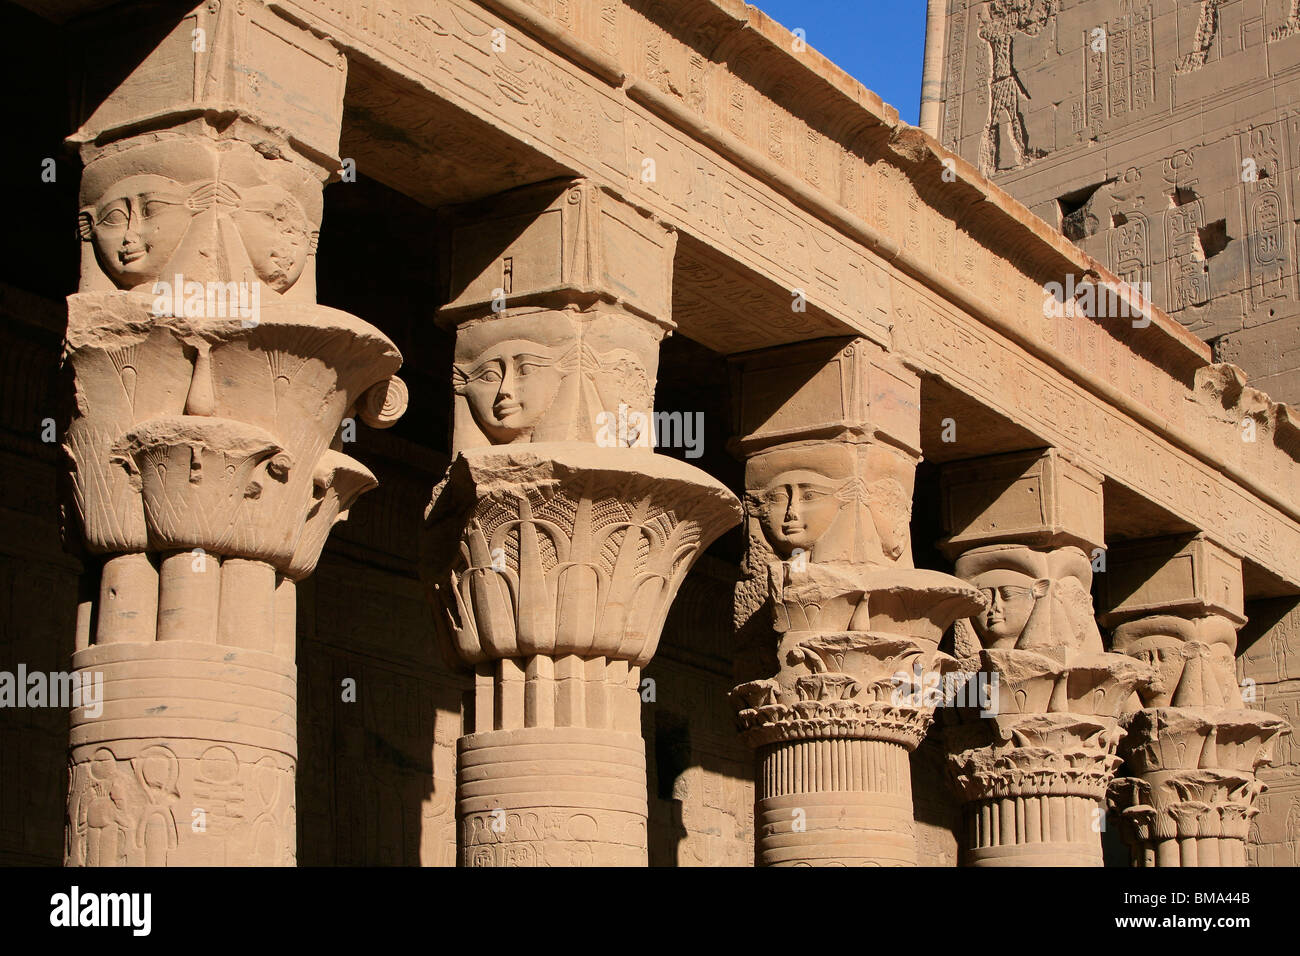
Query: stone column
pixel 1193 749
pixel 204 439
pixel 1033 769
pixel 558 539
pixel 831 443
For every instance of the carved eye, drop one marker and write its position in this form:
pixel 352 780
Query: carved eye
pixel 490 374
pixel 527 368
pixel 811 494
pixel 116 216
pixel 155 207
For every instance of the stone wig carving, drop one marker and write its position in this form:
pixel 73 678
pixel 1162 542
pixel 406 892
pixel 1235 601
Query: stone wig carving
pixel 204 211
pixel 542 376
pixel 1036 599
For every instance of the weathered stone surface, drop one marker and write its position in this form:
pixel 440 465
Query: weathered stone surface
pixel 1157 135
pixel 616 243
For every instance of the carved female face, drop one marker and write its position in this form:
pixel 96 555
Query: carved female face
pixel 136 227
pixel 276 234
pixel 1165 653
pixel 510 387
pixel 1012 598
pixel 798 508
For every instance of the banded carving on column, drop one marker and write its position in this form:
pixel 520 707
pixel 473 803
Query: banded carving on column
pixel 830 469
pixel 1033 769
pixel 1193 750
pixel 557 541
pixel 204 444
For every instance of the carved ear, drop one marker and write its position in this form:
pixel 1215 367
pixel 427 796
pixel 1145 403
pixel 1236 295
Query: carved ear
pixel 127 463
pixel 84 224
pixel 1038 630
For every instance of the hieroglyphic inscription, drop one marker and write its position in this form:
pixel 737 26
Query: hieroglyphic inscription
pixel 1265 213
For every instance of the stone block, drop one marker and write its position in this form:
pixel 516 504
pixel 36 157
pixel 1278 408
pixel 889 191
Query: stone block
pixel 1169 576
pixel 1036 497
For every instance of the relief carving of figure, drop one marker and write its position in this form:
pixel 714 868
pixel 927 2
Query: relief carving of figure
pixel 155 210
pixel 818 505
pixel 1000 22
pixel 1036 599
pixel 102 819
pixel 798 507
pixel 277 234
pixel 1195 659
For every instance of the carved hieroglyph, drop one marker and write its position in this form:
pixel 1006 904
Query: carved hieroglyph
pixel 558 539
pixel 204 446
pixel 858 626
pixel 1193 750
pixel 1033 768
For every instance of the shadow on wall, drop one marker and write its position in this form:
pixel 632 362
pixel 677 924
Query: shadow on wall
pixel 699 772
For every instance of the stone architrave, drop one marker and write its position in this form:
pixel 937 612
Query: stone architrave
pixel 204 443
pixel 558 539
pixel 1193 750
pixel 830 469
pixel 1033 769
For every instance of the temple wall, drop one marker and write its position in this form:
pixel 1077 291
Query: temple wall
pixel 1271 658
pixel 1163 138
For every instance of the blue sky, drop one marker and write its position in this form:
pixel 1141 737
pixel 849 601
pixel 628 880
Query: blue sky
pixel 878 42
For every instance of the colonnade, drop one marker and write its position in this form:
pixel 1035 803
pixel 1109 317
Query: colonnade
pixel 214 400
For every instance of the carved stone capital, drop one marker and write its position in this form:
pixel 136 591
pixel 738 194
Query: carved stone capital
pixel 211 432
pixel 566 549
pixel 208 391
pixel 1165 739
pixel 1036 755
pixel 822 719
pixel 1186 804
pixel 1186 818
